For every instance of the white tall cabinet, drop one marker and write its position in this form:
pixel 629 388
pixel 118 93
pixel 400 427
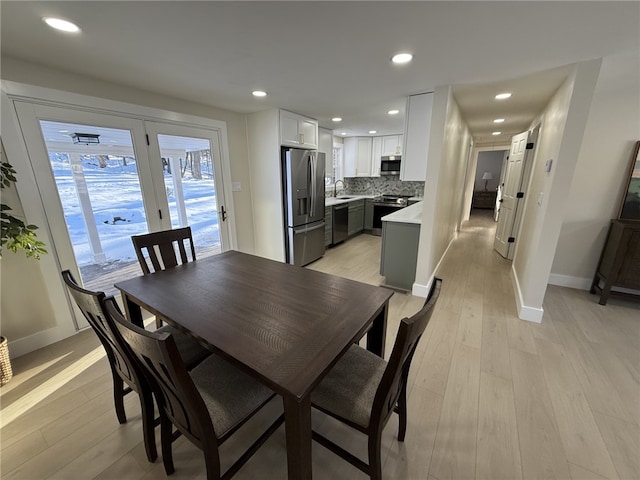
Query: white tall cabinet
pixel 266 132
pixel 325 145
pixel 416 137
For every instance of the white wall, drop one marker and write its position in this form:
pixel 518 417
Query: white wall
pixel 611 132
pixel 561 134
pixel 444 186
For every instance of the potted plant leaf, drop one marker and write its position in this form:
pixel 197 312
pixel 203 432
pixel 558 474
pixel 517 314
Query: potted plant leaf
pixel 15 235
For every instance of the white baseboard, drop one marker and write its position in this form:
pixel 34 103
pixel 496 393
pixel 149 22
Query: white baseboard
pixel 420 290
pixel 569 281
pixel 38 340
pixel 530 314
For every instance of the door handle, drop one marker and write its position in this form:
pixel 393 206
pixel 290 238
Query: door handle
pixel 223 212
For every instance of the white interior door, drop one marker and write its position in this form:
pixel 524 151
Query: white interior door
pixel 505 236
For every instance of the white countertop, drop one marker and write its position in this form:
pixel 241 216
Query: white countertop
pixel 329 201
pixel 410 214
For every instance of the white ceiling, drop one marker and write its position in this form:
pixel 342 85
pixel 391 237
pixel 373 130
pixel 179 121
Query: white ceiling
pixel 326 59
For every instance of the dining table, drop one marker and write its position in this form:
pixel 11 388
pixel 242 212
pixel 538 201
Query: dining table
pixel 285 325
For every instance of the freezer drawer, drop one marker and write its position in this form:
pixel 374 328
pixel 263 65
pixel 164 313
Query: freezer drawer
pixel 306 243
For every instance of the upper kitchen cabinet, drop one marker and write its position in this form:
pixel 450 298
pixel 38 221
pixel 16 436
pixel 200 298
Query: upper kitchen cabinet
pixel 298 131
pixel 392 144
pixel 384 146
pixel 357 156
pixel 325 145
pixel 416 137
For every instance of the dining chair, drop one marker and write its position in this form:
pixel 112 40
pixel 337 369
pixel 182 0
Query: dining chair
pixel 206 405
pixel 124 367
pixel 362 390
pixel 165 243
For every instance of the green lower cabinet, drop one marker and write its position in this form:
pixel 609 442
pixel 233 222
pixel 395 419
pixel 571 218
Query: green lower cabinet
pixel 368 214
pixel 399 254
pixel 356 216
pixel 328 226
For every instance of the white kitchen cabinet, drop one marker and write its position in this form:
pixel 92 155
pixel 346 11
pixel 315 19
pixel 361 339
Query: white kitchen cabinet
pixel 357 156
pixel 392 144
pixel 416 137
pixel 325 145
pixel 376 154
pixel 298 131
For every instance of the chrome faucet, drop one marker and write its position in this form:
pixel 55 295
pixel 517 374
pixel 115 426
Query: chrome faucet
pixel 335 187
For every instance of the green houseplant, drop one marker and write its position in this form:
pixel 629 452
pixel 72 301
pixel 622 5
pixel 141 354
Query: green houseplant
pixel 15 235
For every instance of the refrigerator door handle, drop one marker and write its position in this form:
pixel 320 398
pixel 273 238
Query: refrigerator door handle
pixel 312 184
pixel 307 230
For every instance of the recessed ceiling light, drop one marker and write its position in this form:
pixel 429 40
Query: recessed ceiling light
pixel 502 96
pixel 496 133
pixel 498 120
pixel 343 133
pixel 401 58
pixel 336 119
pixel 393 112
pixel 60 24
pixel 372 131
pixel 259 93
pixel 63 131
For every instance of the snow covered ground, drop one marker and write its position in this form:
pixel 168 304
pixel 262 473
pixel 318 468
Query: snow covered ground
pixel 118 210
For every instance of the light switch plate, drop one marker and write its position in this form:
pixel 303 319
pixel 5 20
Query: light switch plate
pixel 547 165
pixel 236 187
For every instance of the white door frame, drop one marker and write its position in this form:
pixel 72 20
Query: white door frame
pixel 33 200
pixel 471 175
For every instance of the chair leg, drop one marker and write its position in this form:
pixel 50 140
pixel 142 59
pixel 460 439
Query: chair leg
pixel 402 412
pixel 212 462
pixel 375 456
pixel 118 397
pixel 165 436
pixel 148 427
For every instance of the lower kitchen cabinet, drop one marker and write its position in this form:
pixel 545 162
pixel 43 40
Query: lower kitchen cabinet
pixel 368 214
pixel 399 255
pixel 328 226
pixel 356 216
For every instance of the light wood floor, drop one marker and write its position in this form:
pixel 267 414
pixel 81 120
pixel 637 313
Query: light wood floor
pixel 491 397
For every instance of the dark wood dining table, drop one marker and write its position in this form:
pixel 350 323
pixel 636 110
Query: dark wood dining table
pixel 282 324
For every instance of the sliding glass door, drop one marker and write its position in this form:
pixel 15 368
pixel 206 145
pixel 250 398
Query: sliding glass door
pixel 114 177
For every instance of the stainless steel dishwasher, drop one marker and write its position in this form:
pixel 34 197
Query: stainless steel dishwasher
pixel 340 222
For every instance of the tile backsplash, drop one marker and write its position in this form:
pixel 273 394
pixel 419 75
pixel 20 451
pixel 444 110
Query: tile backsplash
pixel 385 185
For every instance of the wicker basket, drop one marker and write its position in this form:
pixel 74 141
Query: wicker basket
pixel 5 362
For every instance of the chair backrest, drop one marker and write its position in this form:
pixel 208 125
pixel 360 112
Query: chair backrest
pixel 166 243
pixel 176 393
pixel 397 370
pixel 91 305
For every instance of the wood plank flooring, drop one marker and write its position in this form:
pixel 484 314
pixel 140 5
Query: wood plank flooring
pixel 490 397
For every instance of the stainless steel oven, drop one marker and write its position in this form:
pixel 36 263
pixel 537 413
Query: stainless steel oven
pixel 383 206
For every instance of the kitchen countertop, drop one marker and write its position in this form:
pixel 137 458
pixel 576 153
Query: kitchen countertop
pixel 330 201
pixel 410 214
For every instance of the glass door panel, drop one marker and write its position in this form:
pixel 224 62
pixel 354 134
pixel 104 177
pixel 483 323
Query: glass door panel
pixel 95 170
pixel 191 179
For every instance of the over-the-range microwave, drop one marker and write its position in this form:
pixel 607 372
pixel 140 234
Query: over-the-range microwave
pixel 390 165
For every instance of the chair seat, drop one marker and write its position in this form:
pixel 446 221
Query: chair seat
pixel 350 386
pixel 229 394
pixel 191 351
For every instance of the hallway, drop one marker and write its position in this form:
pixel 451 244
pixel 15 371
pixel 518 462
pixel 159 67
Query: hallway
pixel 490 397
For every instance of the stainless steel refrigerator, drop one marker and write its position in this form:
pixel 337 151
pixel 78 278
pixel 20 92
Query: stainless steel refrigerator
pixel 303 186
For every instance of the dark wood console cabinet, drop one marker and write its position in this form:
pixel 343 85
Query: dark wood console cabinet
pixel 482 199
pixel 619 264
